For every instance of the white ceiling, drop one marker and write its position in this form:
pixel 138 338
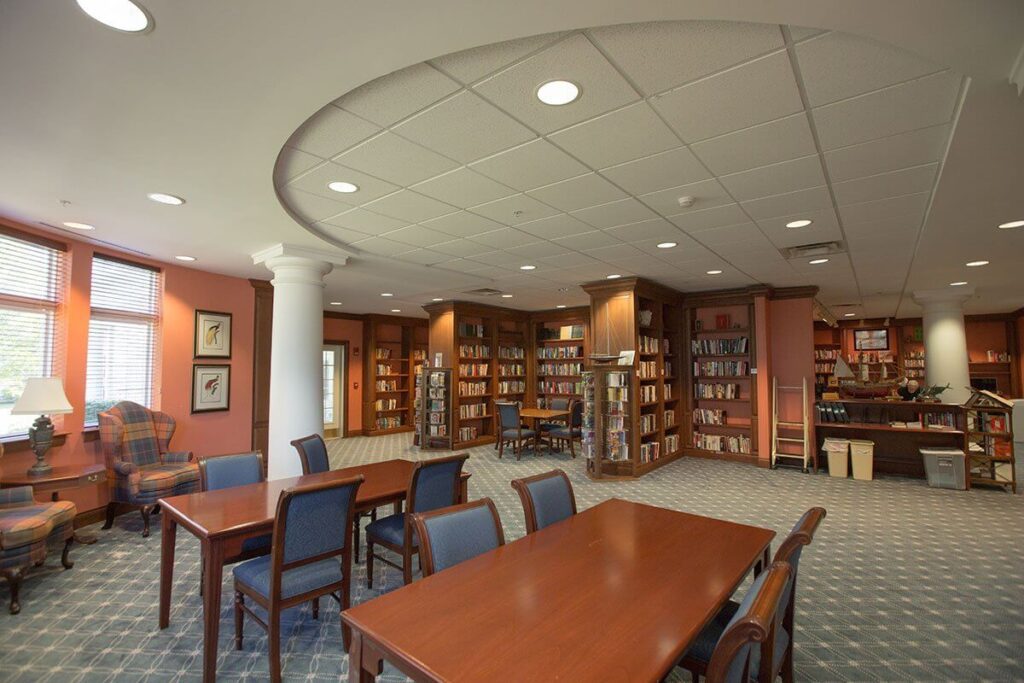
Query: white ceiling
pixel 759 123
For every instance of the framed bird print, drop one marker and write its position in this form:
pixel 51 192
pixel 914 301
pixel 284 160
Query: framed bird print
pixel 211 388
pixel 213 335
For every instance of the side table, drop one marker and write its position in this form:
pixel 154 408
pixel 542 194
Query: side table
pixel 58 479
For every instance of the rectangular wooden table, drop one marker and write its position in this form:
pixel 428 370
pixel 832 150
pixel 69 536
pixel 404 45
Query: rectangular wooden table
pixel 223 519
pixel 617 592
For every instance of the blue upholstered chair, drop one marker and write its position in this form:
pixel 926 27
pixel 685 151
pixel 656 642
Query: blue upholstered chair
pixel 511 429
pixel 780 652
pixel 434 485
pixel 455 534
pixel 547 498
pixel 570 431
pixel 554 404
pixel 313 456
pixel 311 532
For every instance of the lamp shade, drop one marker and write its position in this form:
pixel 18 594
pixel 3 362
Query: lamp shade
pixel 42 396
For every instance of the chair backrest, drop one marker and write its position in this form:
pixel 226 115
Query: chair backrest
pixel 558 404
pixel 790 551
pixel 576 415
pixel 508 415
pixel 752 629
pixel 435 483
pixel 312 454
pixel 547 498
pixel 225 471
pixel 129 432
pixel 455 534
pixel 313 522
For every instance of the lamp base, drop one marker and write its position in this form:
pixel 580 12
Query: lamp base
pixel 40 437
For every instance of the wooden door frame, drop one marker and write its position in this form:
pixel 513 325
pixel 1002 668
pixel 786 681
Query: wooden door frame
pixel 343 428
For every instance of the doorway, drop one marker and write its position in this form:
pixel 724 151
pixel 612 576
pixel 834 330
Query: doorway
pixel 335 367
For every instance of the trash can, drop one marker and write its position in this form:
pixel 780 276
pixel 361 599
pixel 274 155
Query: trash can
pixel 862 457
pixel 945 468
pixel 838 461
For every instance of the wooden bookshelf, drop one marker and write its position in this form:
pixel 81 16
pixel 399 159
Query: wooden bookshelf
pixel 391 346
pixel 558 358
pixel 991 460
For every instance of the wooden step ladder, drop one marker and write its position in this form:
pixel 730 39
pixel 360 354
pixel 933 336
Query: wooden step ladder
pixel 789 427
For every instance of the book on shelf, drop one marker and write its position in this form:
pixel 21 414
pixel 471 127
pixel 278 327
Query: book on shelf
pixel 648 393
pixel 384 369
pixel 468 410
pixel 670 419
pixel 648 344
pixel 511 370
pixel 387 385
pixel 559 352
pixel 390 422
pixel 560 369
pixel 719 346
pixel 383 353
pixel 706 416
pixel 471 330
pixel 997 357
pixel 474 351
pixel 550 387
pixel 385 404
pixel 474 369
pixel 468 433
pixel 648 423
pixel 717 390
pixel 671 443
pixel 721 368
pixel 473 389
pixel 569 332
pixel 650 451
pixel 511 353
pixel 647 369
pixel 511 387
pixel 722 443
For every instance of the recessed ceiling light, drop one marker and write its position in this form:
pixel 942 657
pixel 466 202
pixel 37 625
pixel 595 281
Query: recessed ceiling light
pixel 79 226
pixel 396 310
pixel 818 261
pixel 961 283
pixel 342 186
pixel 386 294
pixel 123 15
pixel 166 198
pixel 849 315
pixel 437 298
pixel 527 267
pixel 613 276
pixel 714 272
pixel 185 258
pixel 975 264
pixel 506 296
pixel 557 93
pixel 560 306
pixel 666 245
pixel 802 223
pixel 1012 224
pixel 335 303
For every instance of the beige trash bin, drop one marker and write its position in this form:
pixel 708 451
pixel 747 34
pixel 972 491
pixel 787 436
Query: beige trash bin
pixel 862 456
pixel 838 460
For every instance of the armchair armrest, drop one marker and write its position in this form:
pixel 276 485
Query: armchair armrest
pixel 177 457
pixel 16 497
pixel 123 468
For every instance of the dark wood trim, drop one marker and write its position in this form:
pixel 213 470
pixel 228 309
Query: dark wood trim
pixel 343 423
pixel 11 231
pixel 338 315
pixel 19 443
pixel 473 308
pixel 804 292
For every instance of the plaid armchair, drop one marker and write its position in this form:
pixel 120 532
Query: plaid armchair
pixel 26 530
pixel 135 442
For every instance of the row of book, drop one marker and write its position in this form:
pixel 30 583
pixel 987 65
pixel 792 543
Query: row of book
pixel 563 332
pixel 467 410
pixel 670 418
pixel 387 385
pixel 382 353
pixel 939 420
pixel 671 443
pixel 511 352
pixel 667 390
pixel 716 390
pixel 468 433
pixel 384 370
pixel 390 422
pixel 713 347
pixel 648 423
pixel 708 416
pixel 647 369
pixel 474 369
pixel 470 330
pixel 721 368
pixel 722 443
pixel 437 405
pixel 474 351
pixel 823 368
pixel 832 412
pixel 997 357
pixel 385 404
pixel 565 369
pixel 508 387
pixel 560 387
pixel 650 451
pixel 826 354
pixel 419 355
pixel 648 393
pixel 648 344
pixel 548 352
pixel 511 370
pixel 473 389
pixel 437 430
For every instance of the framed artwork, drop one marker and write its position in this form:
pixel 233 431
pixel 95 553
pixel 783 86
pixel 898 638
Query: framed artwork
pixel 213 335
pixel 871 340
pixel 211 388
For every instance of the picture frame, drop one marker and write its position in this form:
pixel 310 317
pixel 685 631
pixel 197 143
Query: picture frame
pixel 211 388
pixel 871 340
pixel 212 335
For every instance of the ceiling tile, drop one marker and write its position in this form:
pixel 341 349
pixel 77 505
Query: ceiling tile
pixel 418 236
pixel 577 193
pixel 424 257
pixel 619 136
pixel 470 65
pixel 462 224
pixel 705 219
pixel 799 33
pixel 657 229
pixel 461 247
pixel 293 162
pixel 824 227
pixel 537 250
pixel 616 213
pixel 786 176
pixel 896 226
pixel 310 207
pixel 395 159
pixel 789 203
pixel 389 99
pixel 344 235
pixel 504 238
pixel 315 182
pixel 553 227
pixel 409 206
pixel 381 246
pixel 570 259
pixel 657 172
pixel 661 55
pixel 501 264
pixel 601 87
pixel 895 183
pixel 925 102
pixel 730 234
pixel 726 101
pixel 366 221
pixel 463 187
pixel 685 243
pixel 837 65
pixel 614 251
pixel 911 206
pixel 587 240
pixel 707 193
pixel 331 131
pixel 531 165
pixel 514 210
pixel 464 127
pixel 768 143
pixel 465 266
pixel 888 154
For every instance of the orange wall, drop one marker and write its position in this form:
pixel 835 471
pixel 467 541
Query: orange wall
pixel 340 329
pixel 791 325
pixel 185 289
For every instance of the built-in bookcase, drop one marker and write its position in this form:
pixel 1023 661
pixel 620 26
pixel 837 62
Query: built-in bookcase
pixel 392 347
pixel 559 360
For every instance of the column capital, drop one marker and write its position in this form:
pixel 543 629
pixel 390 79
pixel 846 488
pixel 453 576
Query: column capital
pixel 943 299
pixel 299 265
pixel 335 257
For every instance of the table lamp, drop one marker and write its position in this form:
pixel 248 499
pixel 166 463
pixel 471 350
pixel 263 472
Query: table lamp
pixel 43 396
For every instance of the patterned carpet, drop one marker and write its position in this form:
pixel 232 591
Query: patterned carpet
pixel 903 582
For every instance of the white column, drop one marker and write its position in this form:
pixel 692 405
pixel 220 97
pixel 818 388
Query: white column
pixel 945 341
pixel 296 362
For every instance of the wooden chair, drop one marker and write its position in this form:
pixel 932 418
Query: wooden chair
pixel 455 534
pixel 313 456
pixel 570 431
pixel 547 498
pixel 311 532
pixel 510 429
pixel 434 485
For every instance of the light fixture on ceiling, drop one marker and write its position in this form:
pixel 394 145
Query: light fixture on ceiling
pixel 185 258
pixel 849 315
pixel 613 276
pixel 557 93
pixel 386 294
pixel 335 303
pixel 666 245
pixel 527 267
pixel 714 272
pixel 976 264
pixel 396 310
pixel 506 296
pixel 342 186
pixel 163 198
pixel 802 223
pixel 1011 224
pixel 560 306
pixel 437 298
pixel 122 15
pixel 959 283
pixel 79 226
pixel 818 261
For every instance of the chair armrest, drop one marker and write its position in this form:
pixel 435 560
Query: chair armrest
pixel 16 497
pixel 123 468
pixel 177 457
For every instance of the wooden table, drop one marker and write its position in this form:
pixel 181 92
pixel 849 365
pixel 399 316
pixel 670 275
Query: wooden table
pixel 223 519
pixel 56 480
pixel 615 593
pixel 536 415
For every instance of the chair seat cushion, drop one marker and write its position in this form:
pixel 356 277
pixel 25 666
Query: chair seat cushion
pixel 565 433
pixel 32 523
pixel 256 575
pixel 702 648
pixel 515 433
pixel 257 543
pixel 550 426
pixel 167 477
pixel 390 529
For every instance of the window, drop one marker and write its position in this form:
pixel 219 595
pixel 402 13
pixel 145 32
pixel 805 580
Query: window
pixel 123 329
pixel 32 286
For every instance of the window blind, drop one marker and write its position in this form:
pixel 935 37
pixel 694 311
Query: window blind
pixel 32 287
pixel 123 340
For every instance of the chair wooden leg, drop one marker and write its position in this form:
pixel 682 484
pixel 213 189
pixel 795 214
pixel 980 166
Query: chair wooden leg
pixel 694 676
pixel 355 539
pixel 146 510
pixel 316 608
pixel 111 510
pixel 369 563
pixel 202 572
pixel 787 665
pixel 14 576
pixel 239 618
pixel 274 643
pixel 64 558
pixel 572 451
pixel 500 446
pixel 407 565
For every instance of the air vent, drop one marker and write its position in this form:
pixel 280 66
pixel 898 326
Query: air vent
pixel 483 291
pixel 813 250
pixel 89 238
